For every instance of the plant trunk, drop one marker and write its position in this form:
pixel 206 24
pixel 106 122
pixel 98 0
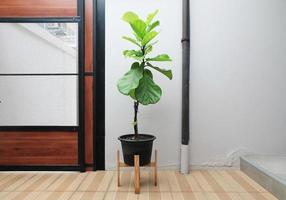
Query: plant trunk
pixel 136 105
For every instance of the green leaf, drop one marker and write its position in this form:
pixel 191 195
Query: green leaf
pixel 149 73
pixel 151 44
pixel 152 26
pixel 131 79
pixel 166 72
pixel 137 37
pixel 133 54
pixel 148 37
pixel 151 16
pixel 148 92
pixel 131 40
pixel 148 49
pixel 139 27
pixel 160 58
pixel 130 17
pixel 132 94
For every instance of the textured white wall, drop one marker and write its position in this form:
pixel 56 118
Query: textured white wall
pixel 162 119
pixel 238 60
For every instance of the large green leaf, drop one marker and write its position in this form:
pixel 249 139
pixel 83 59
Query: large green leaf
pixel 131 40
pixel 148 37
pixel 152 26
pixel 151 16
pixel 148 92
pixel 130 17
pixel 139 27
pixel 131 79
pixel 138 55
pixel 166 72
pixel 160 58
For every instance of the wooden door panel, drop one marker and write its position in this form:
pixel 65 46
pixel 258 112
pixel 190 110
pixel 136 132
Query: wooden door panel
pixel 38 8
pixel 89 83
pixel 89 120
pixel 38 148
pixel 88 35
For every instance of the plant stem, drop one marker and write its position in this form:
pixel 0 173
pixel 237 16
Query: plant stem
pixel 136 105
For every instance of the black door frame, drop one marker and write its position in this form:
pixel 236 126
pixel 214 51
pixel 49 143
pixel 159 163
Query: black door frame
pixel 99 84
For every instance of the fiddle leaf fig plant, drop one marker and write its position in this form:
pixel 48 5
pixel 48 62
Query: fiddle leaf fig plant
pixel 138 82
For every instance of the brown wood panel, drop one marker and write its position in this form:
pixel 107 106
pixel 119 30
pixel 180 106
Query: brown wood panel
pixel 88 82
pixel 88 35
pixel 38 8
pixel 38 148
pixel 88 119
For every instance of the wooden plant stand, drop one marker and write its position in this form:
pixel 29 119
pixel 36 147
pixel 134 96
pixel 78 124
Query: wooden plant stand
pixel 136 170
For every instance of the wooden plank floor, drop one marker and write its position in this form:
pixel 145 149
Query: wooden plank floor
pixel 199 185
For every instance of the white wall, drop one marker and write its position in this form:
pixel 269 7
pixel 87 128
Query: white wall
pixel 238 60
pixel 162 119
pixel 238 84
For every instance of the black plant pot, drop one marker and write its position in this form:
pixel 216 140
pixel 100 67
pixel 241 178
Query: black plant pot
pixel 141 146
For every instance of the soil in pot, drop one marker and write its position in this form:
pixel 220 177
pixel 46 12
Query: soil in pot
pixel 142 146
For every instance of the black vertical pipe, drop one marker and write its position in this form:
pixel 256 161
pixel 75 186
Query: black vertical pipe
pixel 186 73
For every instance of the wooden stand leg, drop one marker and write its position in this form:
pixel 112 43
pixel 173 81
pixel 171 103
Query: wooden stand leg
pixel 155 170
pixel 137 174
pixel 118 169
pixel 137 170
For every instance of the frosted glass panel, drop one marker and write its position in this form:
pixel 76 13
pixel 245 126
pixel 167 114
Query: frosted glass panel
pixel 38 48
pixel 38 101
